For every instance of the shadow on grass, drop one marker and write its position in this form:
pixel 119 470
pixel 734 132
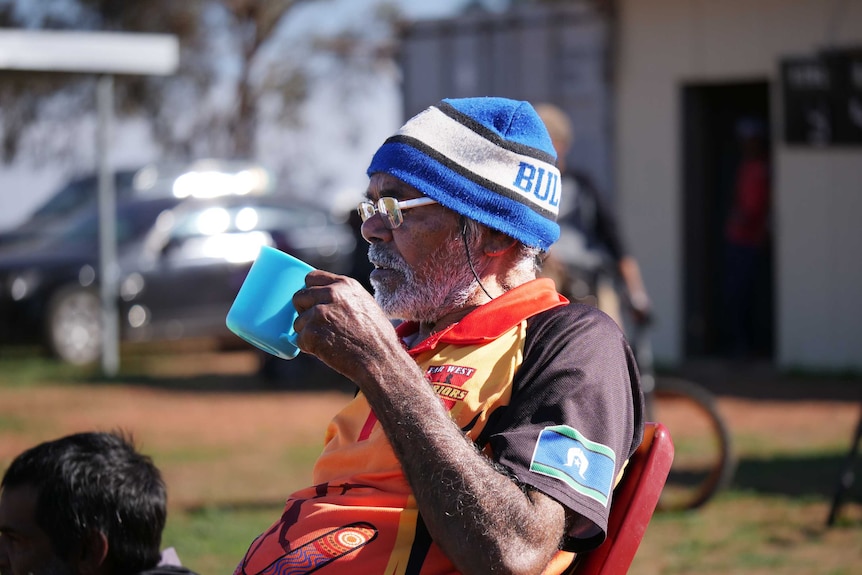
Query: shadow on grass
pixel 765 381
pixel 205 508
pixel 182 366
pixel 798 476
pixel 304 373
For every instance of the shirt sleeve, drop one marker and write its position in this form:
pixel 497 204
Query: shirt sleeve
pixel 605 229
pixel 575 417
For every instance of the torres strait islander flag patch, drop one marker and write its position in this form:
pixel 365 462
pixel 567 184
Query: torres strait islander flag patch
pixel 587 467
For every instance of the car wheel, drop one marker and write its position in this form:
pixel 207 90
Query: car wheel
pixel 75 325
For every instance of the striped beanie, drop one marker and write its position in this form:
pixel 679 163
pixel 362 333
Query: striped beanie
pixel 489 159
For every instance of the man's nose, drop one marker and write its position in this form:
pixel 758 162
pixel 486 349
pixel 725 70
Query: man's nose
pixel 374 230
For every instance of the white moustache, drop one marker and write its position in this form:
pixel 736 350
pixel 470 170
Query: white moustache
pixel 382 258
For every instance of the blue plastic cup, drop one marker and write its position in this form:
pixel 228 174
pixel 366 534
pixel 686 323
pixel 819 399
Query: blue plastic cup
pixel 262 312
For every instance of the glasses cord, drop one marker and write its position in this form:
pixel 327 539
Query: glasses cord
pixel 469 259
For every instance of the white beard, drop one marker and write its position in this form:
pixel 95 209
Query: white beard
pixel 439 284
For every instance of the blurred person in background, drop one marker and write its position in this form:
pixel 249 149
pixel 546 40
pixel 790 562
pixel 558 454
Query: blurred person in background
pixel 489 426
pixel 84 504
pixel 746 236
pixel 591 254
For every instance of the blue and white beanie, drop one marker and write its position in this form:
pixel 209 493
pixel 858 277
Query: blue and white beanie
pixel 490 159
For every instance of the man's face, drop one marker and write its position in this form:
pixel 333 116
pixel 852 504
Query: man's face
pixel 25 548
pixel 421 269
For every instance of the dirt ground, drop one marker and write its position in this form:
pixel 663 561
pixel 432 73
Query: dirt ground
pixel 756 398
pixel 216 402
pixel 225 437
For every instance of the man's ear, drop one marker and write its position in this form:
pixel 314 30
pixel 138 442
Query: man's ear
pixel 497 243
pixel 93 554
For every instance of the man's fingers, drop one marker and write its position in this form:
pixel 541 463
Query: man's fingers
pixel 320 278
pixel 306 297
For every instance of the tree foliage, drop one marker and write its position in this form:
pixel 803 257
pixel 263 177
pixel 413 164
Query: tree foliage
pixel 209 107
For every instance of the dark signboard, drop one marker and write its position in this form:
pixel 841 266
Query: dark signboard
pixel 806 87
pixel 823 98
pixel 845 70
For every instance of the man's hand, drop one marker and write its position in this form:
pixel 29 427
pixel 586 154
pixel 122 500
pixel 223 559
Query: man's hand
pixel 639 300
pixel 341 324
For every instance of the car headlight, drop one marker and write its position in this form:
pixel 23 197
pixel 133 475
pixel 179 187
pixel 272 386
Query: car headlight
pixel 86 275
pixel 19 285
pixel 138 316
pixel 131 286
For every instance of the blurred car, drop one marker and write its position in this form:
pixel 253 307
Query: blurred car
pixel 41 279
pixel 204 178
pixel 73 198
pixel 178 276
pixel 209 177
pixel 193 262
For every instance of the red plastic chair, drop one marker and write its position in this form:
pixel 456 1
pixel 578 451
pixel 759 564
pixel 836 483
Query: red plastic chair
pixel 635 500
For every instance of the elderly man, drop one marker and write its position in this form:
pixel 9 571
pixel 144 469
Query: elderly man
pixel 489 427
pixel 83 504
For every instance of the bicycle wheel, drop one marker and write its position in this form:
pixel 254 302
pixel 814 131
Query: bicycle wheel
pixel 703 460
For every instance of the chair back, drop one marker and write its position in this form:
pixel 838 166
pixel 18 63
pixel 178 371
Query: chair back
pixel 632 507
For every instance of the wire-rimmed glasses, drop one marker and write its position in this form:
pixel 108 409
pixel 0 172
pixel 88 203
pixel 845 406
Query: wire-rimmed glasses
pixel 391 209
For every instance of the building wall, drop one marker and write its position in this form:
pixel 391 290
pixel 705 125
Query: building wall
pixel 556 54
pixel 817 193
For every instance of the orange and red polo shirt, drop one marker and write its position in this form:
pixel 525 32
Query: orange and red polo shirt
pixel 547 389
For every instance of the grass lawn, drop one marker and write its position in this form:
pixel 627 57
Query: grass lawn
pixel 231 448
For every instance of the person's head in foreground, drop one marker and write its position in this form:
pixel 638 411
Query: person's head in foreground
pixel 467 189
pixel 84 504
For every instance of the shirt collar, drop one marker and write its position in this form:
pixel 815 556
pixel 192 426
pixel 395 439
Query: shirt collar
pixel 491 320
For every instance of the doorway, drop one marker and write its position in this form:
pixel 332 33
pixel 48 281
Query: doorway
pixel 728 291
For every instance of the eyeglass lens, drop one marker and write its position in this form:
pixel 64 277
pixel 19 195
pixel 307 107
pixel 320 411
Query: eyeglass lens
pixel 388 208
